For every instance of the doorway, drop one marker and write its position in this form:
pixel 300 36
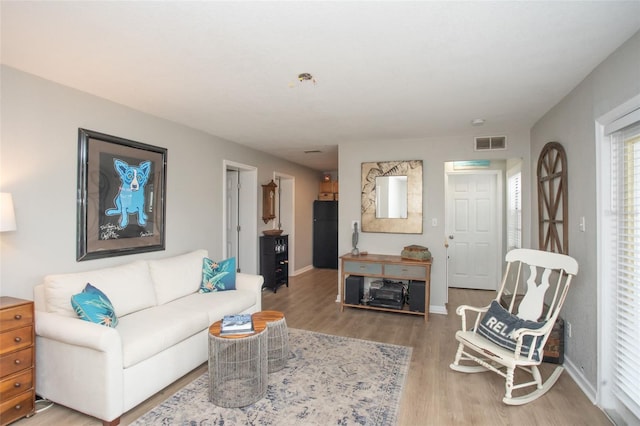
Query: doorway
pixel 285 213
pixel 474 223
pixel 240 229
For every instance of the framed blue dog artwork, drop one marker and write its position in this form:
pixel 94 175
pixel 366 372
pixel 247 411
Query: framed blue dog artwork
pixel 121 196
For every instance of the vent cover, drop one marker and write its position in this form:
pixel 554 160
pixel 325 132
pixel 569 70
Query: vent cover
pixel 490 143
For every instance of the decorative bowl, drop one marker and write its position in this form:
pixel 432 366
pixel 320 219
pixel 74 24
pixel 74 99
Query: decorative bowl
pixel 272 232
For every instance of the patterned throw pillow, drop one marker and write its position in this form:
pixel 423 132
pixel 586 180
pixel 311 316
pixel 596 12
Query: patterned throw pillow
pixel 498 325
pixel 218 276
pixel 93 305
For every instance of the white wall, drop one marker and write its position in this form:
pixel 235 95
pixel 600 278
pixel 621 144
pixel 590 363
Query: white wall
pixel 572 123
pixel 434 152
pixel 38 165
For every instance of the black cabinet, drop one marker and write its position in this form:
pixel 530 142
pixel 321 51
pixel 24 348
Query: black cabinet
pixel 274 261
pixel 325 234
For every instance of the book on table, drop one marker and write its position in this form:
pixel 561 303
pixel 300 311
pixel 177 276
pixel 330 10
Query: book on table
pixel 236 324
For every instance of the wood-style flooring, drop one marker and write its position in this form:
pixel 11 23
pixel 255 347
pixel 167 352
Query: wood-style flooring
pixel 433 394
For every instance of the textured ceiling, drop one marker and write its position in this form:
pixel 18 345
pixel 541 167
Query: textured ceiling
pixel 383 70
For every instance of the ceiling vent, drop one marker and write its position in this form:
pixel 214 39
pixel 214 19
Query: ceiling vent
pixel 490 143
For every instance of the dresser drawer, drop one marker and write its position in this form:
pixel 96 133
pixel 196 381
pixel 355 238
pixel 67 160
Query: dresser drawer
pixel 409 272
pixel 15 339
pixel 16 361
pixel 17 407
pixel 16 384
pixel 363 268
pixel 15 317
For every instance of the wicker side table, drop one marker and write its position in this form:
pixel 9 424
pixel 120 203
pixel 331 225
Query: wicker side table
pixel 237 366
pixel 278 338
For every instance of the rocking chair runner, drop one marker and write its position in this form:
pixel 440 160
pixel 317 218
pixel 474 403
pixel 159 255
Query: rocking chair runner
pixel 502 339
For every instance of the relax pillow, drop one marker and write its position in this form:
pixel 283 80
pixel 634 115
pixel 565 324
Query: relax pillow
pixel 94 306
pixel 218 276
pixel 498 325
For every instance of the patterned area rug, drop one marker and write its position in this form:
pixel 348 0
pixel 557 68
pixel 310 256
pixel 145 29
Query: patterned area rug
pixel 327 380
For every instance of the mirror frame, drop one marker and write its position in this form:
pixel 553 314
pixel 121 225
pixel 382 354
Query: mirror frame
pixel 370 171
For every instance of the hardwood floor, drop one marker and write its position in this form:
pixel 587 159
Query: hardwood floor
pixel 433 395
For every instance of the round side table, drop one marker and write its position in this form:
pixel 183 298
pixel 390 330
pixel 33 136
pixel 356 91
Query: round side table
pixel 237 366
pixel 278 336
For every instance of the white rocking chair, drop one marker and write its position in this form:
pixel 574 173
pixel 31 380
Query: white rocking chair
pixel 494 338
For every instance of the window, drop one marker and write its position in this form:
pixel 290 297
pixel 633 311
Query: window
pixel 514 209
pixel 620 275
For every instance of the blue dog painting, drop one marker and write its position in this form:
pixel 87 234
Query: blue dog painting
pixel 130 197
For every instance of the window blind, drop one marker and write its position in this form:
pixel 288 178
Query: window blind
pixel 625 168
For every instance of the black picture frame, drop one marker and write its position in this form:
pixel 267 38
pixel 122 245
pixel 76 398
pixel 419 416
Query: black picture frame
pixel 121 196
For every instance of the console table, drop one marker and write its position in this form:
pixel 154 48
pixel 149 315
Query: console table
pixel 386 266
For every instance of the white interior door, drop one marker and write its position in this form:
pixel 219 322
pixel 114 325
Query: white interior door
pixel 240 210
pixel 473 221
pixel 286 213
pixel 232 216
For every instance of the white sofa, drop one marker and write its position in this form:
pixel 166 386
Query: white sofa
pixel 162 332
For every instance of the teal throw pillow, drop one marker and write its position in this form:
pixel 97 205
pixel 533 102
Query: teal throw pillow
pixel 93 305
pixel 218 276
pixel 498 324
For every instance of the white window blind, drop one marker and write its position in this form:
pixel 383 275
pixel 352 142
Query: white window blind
pixel 625 288
pixel 514 213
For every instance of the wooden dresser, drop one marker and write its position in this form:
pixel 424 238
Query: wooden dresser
pixel 17 359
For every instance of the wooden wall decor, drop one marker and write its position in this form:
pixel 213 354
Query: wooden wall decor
pixel 553 208
pixel 269 201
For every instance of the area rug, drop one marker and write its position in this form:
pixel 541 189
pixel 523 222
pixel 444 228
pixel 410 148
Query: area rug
pixel 328 380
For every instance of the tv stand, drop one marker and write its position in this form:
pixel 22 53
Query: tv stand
pixel 386 266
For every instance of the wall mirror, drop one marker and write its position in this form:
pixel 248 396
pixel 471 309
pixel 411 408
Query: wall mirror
pixel 392 197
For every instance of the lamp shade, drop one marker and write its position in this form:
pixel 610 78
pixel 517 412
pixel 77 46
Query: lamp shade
pixel 7 214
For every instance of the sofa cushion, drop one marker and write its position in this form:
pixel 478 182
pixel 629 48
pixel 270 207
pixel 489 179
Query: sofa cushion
pixel 151 331
pixel 128 287
pixel 94 306
pixel 218 276
pixel 177 276
pixel 218 304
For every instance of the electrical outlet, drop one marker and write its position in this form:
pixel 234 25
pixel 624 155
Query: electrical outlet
pixel 354 223
pixel 569 331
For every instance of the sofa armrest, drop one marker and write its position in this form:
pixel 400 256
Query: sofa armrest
pixel 79 365
pixel 251 283
pixel 74 331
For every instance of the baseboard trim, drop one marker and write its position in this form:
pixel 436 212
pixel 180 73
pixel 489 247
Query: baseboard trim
pixel 582 382
pixel 438 309
pixel 301 270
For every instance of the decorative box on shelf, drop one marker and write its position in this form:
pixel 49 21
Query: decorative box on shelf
pixel 415 252
pixel 328 191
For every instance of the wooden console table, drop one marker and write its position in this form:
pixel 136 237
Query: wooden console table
pixel 386 266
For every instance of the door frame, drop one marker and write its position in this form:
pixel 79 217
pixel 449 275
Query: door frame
pixel 248 214
pixel 500 220
pixel 287 219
